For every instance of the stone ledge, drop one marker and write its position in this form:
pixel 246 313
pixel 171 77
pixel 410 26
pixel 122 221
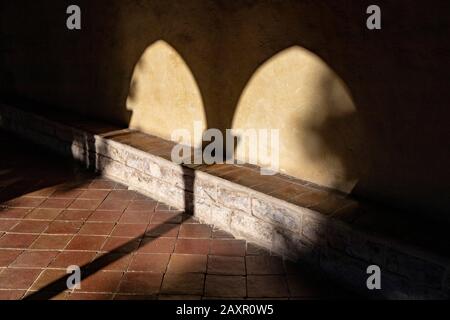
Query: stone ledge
pixel 290 217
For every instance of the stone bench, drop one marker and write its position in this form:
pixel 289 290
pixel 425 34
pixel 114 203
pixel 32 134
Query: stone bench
pixel 290 217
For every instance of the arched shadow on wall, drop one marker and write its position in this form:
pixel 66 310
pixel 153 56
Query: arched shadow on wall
pixel 297 93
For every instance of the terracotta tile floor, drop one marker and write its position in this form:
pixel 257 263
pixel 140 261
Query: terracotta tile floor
pixel 53 215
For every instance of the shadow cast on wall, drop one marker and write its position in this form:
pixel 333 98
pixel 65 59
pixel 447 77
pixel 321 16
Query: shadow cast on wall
pixel 396 77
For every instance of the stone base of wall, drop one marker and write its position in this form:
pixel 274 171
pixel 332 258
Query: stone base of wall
pixel 297 232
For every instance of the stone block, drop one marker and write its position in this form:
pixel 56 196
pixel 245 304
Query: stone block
pixel 205 189
pixel 221 217
pixel 366 249
pixel 418 271
pixel 202 210
pixel 338 236
pixel 314 229
pixel 276 214
pixel 234 199
pixel 294 246
pixel 252 228
pixel 345 268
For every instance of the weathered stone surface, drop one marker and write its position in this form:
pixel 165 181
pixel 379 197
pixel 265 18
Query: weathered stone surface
pixel 78 152
pixel 234 199
pixel 110 167
pixel 252 228
pixel 419 271
pixel 338 236
pixel 176 178
pixel 139 179
pixel 106 149
pixel 295 247
pixel 276 214
pixel 365 249
pixel 446 284
pixel 345 268
pixel 424 292
pixel 202 210
pixel 314 229
pixel 221 217
pixel 172 195
pixel 393 286
pixel 205 189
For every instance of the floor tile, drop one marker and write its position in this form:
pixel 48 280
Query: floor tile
pixel 68 258
pixel 141 283
pixel 307 286
pixel 219 234
pixel 43 214
pixel 96 228
pixel 129 230
pixel 111 204
pixel 6 225
pixel 195 231
pixel 66 193
pixel 93 194
pixel 46 295
pixel 255 250
pixel 187 263
pixel 123 296
pixel 81 242
pixel 18 278
pixel 111 261
pixel 63 227
pixel 192 246
pixel 136 217
pixel 90 296
pixel 266 286
pixel 51 242
pixel 178 297
pixel 121 195
pixel 35 259
pixel 101 281
pixel 51 279
pixel 162 230
pixel 166 217
pixel 102 184
pixel 25 202
pixel 225 286
pixel 162 207
pixel 183 283
pixel 13 213
pixel 264 265
pixel 85 204
pixel 28 226
pixel 226 265
pixel 121 245
pixel 105 216
pixel 11 294
pixel 56 203
pixel 8 256
pixel 155 262
pixel 44 192
pixel 17 241
pixel 228 247
pixel 74 215
pixel 142 205
pixel 157 245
